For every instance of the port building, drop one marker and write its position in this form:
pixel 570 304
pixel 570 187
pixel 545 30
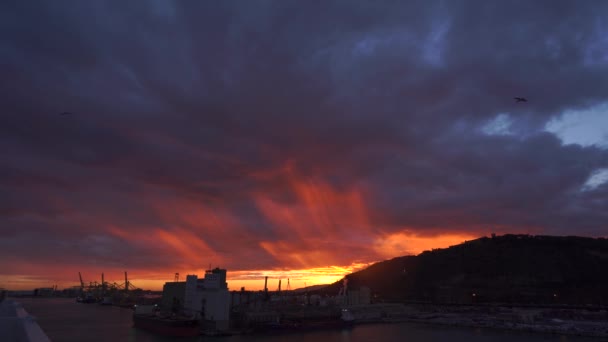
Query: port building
pixel 208 299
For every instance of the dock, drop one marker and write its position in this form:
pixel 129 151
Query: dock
pixel 17 325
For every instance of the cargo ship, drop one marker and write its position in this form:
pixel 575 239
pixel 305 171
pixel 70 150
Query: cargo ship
pixel 346 320
pixel 148 318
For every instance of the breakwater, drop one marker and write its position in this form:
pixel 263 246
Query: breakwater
pixel 17 325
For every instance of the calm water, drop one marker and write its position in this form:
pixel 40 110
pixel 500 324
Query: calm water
pixel 64 320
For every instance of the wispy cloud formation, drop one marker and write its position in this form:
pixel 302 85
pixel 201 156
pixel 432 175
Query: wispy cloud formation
pixel 285 135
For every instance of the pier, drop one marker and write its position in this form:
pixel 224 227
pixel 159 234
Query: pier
pixel 17 325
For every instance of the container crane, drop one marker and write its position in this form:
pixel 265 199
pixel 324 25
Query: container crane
pixel 128 285
pixel 81 282
pixel 103 286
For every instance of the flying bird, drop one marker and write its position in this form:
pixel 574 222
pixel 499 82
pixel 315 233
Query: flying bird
pixel 520 99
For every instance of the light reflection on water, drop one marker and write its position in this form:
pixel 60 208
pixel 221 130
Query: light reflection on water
pixel 65 320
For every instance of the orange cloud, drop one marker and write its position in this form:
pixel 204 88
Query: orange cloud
pixel 318 234
pixel 319 207
pixel 403 243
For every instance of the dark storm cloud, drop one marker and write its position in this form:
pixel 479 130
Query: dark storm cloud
pixel 224 119
pixel 489 182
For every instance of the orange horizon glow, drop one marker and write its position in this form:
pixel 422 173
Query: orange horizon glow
pixel 319 234
pixel 250 279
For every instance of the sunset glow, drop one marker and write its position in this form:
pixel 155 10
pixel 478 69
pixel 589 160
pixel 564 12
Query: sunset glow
pixel 317 227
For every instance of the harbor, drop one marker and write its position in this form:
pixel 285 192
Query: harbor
pixel 203 307
pixel 207 305
pixel 64 321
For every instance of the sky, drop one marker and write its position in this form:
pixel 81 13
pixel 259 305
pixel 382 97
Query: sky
pixel 291 139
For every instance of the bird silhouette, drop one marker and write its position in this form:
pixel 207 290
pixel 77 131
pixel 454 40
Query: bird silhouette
pixel 520 99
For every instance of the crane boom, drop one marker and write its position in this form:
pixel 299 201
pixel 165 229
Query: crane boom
pixel 103 285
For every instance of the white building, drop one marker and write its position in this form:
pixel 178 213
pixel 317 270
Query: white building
pixel 209 299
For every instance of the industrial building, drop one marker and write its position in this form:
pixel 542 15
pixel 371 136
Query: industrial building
pixel 218 309
pixel 207 299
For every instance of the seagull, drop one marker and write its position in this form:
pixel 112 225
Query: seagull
pixel 520 99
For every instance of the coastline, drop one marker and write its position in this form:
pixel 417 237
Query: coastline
pixel 17 324
pixel 572 322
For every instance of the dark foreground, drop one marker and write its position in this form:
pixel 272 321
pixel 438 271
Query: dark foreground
pixel 590 322
pixel 64 320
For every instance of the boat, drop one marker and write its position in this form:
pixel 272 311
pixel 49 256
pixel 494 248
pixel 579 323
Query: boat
pixel 87 299
pixel 106 301
pixel 346 320
pixel 148 317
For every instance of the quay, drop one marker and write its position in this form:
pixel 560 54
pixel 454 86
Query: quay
pixel 17 325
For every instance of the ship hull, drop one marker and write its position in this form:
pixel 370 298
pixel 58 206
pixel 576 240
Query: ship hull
pixel 167 326
pixel 303 326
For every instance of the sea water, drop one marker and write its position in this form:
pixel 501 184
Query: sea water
pixel 64 320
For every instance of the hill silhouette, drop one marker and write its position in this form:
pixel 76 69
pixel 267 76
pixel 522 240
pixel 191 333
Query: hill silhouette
pixel 520 269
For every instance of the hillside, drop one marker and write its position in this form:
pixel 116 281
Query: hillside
pixel 505 269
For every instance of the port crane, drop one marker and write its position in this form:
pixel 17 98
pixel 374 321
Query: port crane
pixel 81 282
pixel 105 287
pixel 124 294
